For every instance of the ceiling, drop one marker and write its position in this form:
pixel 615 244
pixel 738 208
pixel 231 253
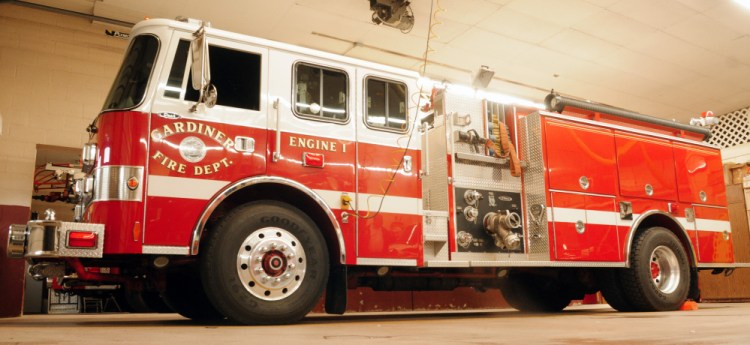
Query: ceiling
pixel 668 58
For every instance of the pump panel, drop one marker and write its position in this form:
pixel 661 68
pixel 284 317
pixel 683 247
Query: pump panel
pixel 470 233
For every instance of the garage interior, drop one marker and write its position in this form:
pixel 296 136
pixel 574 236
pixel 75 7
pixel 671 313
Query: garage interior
pixel 670 59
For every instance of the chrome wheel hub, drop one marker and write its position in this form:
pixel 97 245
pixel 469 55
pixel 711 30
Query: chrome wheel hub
pixel 665 269
pixel 271 263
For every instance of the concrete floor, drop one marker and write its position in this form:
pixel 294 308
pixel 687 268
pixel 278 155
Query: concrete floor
pixel 715 323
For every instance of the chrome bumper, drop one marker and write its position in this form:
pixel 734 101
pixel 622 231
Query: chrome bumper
pixel 49 239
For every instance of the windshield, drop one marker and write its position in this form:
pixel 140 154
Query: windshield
pixel 130 84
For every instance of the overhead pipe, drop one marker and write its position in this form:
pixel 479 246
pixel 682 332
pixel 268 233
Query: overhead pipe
pixel 555 102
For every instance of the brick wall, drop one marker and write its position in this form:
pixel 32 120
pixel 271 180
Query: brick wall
pixel 55 72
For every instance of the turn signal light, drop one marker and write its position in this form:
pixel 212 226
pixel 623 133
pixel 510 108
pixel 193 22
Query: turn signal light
pixel 133 183
pixel 82 239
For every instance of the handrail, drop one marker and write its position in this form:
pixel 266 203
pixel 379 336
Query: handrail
pixel 555 102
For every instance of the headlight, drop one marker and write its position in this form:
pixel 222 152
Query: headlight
pixel 84 186
pixel 88 156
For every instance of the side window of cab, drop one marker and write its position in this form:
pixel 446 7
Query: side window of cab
pixel 320 93
pixel 386 105
pixel 236 75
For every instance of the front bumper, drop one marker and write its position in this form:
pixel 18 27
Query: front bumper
pixel 51 239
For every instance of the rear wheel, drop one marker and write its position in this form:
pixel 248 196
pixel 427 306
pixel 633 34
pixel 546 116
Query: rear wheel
pixel 659 275
pixel 265 263
pixel 531 293
pixel 608 280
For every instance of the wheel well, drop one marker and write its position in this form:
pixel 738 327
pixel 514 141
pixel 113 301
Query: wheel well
pixel 665 221
pixel 669 223
pixel 286 194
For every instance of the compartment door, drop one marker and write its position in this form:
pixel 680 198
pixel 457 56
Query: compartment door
pixel 700 176
pixel 580 158
pixel 646 167
pixel 584 228
pixel 714 235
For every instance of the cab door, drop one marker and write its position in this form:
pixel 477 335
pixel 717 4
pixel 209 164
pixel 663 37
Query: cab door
pixel 314 120
pixel 193 155
pixel 389 193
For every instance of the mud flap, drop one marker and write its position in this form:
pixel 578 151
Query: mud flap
pixel 336 290
pixel 695 292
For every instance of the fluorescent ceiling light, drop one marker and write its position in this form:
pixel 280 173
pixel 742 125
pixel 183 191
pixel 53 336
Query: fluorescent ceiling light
pixel 743 3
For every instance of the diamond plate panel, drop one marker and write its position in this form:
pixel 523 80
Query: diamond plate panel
pixel 66 227
pixel 435 185
pixel 435 230
pixel 530 129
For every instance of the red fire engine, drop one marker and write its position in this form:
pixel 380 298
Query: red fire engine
pixel 241 178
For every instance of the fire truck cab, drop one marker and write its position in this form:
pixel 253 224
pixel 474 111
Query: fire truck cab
pixel 236 177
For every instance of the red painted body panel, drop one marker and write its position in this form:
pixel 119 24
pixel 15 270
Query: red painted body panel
pixel 392 236
pixel 643 161
pixel 376 166
pixel 713 246
pixel 641 206
pixel 337 174
pixel 699 170
pixel 122 138
pixel 576 151
pixel 222 162
pixel 388 235
pixel 122 141
pixel 165 227
pixel 598 242
pixel 452 244
pixel 119 219
pixel 339 155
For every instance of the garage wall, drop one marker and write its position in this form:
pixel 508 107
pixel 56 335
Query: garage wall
pixel 55 72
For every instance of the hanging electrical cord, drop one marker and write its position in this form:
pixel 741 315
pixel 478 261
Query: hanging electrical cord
pixel 423 67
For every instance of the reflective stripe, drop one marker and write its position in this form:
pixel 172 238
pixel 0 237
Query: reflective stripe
pixel 181 187
pixel 371 202
pixel 572 215
pixel 713 225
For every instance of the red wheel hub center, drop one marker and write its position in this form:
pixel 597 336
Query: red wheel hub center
pixel 274 263
pixel 655 270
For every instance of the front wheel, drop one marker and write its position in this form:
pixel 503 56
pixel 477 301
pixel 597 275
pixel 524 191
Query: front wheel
pixel 659 275
pixel 265 263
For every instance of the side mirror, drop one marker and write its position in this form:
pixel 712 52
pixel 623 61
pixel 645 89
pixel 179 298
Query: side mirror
pixel 201 69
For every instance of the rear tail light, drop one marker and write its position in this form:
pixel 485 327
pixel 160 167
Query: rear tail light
pixel 82 239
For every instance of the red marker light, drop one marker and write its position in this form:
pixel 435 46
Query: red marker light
pixel 82 239
pixel 315 160
pixel 133 183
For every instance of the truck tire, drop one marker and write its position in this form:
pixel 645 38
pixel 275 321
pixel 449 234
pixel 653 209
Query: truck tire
pixel 185 295
pixel 659 275
pixel 264 263
pixel 608 280
pixel 529 293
